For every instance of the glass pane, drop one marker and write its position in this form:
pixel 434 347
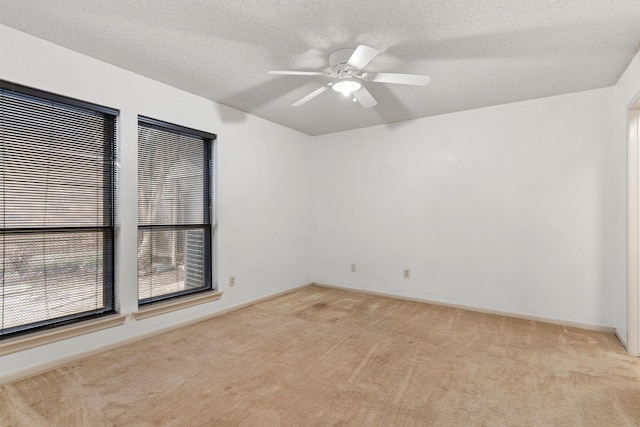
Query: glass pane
pixel 49 276
pixel 170 261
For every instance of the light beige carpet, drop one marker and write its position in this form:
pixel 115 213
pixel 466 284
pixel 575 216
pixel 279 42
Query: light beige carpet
pixel 325 357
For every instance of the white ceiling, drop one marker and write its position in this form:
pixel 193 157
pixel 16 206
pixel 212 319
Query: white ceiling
pixel 477 52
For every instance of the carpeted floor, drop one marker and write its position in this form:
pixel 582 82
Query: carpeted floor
pixel 325 357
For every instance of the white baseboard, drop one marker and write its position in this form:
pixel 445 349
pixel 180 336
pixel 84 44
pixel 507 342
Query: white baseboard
pixel 561 322
pixel 623 340
pixel 56 363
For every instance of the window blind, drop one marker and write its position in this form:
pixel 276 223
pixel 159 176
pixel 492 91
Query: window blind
pixel 174 210
pixel 56 210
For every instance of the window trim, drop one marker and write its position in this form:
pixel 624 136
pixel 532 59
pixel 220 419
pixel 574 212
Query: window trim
pixel 62 99
pixel 176 303
pixel 181 130
pixel 38 338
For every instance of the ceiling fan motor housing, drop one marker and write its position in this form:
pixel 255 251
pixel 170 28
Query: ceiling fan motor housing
pixel 338 61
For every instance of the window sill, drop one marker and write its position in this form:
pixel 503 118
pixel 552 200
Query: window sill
pixel 177 304
pixel 36 339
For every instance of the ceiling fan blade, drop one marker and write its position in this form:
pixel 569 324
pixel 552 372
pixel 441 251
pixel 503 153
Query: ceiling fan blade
pixel 402 79
pixel 310 96
pixel 365 98
pixel 298 73
pixel 361 57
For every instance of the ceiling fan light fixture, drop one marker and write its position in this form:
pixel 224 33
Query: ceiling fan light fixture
pixel 347 86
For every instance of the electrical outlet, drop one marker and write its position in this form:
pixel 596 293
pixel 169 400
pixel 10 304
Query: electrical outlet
pixel 232 281
pixel 353 268
pixel 406 273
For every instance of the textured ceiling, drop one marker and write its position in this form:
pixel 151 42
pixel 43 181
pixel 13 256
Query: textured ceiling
pixel 478 53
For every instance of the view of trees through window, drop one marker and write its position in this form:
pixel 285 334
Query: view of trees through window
pixel 49 276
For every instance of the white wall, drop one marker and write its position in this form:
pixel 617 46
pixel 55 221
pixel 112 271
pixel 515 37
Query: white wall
pixel 627 89
pixel 262 189
pixel 500 208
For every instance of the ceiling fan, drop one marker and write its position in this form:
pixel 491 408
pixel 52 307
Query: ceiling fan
pixel 349 77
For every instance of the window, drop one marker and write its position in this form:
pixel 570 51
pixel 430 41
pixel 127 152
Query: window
pixel 174 210
pixel 56 210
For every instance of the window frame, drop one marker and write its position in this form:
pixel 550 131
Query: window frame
pixel 107 230
pixel 208 227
